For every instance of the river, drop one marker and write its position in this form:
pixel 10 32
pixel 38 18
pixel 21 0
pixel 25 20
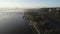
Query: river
pixel 13 23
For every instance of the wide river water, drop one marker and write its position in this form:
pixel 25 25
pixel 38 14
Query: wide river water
pixel 13 23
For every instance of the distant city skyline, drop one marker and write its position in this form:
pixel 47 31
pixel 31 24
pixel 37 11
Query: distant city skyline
pixel 29 3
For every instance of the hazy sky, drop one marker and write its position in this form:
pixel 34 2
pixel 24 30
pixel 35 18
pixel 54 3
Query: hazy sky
pixel 29 3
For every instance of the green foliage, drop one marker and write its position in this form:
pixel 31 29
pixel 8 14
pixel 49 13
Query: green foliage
pixel 54 16
pixel 43 25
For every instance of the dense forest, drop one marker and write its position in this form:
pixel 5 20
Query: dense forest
pixel 39 19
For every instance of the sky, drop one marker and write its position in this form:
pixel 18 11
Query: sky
pixel 29 3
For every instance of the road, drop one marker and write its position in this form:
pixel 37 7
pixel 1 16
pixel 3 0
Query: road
pixel 14 24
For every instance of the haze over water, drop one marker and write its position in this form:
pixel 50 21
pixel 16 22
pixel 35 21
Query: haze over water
pixel 12 22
